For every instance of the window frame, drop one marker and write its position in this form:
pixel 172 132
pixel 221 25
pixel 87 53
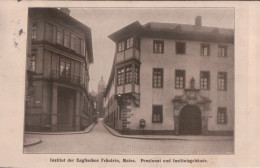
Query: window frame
pixel 202 86
pixel 33 60
pixel 219 84
pixel 222 117
pixel 121 76
pixel 160 113
pixel 225 47
pixel 176 48
pixel 157 50
pixel 184 79
pixel 202 47
pixel 34 31
pixel 156 84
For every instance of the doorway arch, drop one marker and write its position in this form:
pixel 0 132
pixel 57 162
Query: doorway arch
pixel 190 122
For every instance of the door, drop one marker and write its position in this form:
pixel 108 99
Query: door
pixel 190 120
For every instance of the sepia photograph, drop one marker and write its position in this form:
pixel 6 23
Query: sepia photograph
pixel 130 81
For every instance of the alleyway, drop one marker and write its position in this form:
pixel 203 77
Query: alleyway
pixel 100 141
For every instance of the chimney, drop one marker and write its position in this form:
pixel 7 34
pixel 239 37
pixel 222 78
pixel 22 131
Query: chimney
pixel 65 10
pixel 198 21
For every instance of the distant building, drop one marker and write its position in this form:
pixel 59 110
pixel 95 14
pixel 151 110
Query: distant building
pixel 100 97
pixel 59 53
pixel 171 78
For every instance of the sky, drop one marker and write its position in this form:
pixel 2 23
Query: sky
pixel 105 21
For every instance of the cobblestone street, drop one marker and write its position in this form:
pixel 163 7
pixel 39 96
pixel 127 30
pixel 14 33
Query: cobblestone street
pixel 100 141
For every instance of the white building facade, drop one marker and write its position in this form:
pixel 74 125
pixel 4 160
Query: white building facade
pixel 172 79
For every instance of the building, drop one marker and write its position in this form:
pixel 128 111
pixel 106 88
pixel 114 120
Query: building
pixel 171 78
pixel 59 53
pixel 100 97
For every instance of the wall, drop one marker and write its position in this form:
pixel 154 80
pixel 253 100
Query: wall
pixel 192 62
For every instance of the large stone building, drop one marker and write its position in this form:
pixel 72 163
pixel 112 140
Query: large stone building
pixel 59 52
pixel 172 78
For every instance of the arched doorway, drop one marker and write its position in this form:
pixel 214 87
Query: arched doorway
pixel 190 120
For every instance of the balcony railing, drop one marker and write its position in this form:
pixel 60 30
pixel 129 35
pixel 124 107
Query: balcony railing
pixel 65 77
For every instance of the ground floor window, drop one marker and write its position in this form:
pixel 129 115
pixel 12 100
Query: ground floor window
pixel 157 114
pixel 222 115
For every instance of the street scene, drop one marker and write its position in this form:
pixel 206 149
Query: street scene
pixel 100 141
pixel 130 81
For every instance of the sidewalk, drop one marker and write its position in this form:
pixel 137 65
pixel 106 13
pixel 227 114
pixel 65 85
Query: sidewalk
pixel 87 130
pixel 170 137
pixel 29 141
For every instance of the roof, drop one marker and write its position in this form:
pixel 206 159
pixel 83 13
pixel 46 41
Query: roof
pixel 51 12
pixel 175 31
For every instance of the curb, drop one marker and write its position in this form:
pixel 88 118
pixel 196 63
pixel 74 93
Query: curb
pixel 151 138
pixel 62 133
pixel 32 144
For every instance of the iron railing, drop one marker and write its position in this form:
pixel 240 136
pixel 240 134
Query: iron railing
pixel 66 77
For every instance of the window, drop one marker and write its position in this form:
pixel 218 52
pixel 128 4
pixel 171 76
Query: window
pixel 66 39
pixel 222 51
pixel 73 42
pixel 120 76
pixel 137 43
pixel 78 45
pixel 136 74
pixel 48 32
pixel 82 47
pixel 158 46
pixel 179 79
pixel 33 61
pixel 205 49
pixel 204 80
pixel 128 74
pixel 34 31
pixel 129 43
pixel 180 48
pixel 157 78
pixel 59 37
pixel 222 115
pixel 121 46
pixel 65 68
pixel 157 116
pixel 222 81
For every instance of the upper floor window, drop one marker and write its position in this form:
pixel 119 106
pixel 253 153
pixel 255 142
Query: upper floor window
pixel 158 46
pixel 34 31
pixel 204 80
pixel 222 81
pixel 82 47
pixel 65 68
pixel 48 32
pixel 157 116
pixel 128 74
pixel 137 74
pixel 60 37
pixel 120 76
pixel 205 49
pixel 157 78
pixel 222 51
pixel 67 39
pixel 121 46
pixel 180 47
pixel 137 43
pixel 33 61
pixel 73 42
pixel 179 79
pixel 222 115
pixel 129 42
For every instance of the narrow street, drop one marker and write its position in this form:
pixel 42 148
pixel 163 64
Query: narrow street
pixel 100 141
